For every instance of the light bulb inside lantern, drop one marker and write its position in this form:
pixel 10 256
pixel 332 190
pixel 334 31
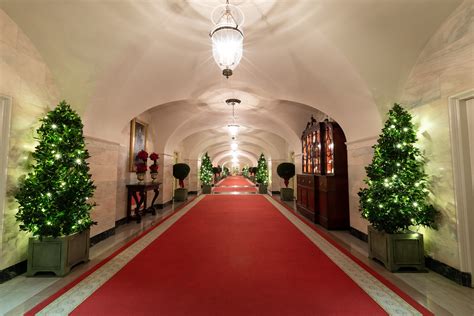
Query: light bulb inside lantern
pixel 233 129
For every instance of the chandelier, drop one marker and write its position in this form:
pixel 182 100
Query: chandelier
pixel 227 38
pixel 233 128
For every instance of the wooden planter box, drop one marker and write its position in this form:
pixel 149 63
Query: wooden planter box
pixel 57 255
pixel 397 251
pixel 262 189
pixel 287 194
pixel 206 189
pixel 180 194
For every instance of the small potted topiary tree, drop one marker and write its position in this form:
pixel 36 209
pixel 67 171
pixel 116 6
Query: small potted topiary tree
pixel 180 172
pixel 205 174
pixel 53 198
pixel 286 171
pixel 262 175
pixel 396 195
pixel 215 171
pixel 253 172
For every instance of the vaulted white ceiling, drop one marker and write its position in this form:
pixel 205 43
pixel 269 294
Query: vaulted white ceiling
pixel 116 59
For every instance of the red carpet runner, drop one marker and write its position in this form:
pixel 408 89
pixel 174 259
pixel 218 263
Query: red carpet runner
pixel 237 184
pixel 235 180
pixel 231 255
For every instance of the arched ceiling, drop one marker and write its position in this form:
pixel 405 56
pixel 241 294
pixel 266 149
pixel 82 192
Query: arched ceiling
pixel 113 60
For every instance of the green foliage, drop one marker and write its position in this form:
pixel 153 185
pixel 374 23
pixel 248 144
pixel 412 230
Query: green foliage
pixel 205 173
pixel 253 170
pixel 262 170
pixel 286 170
pixel 181 171
pixel 245 171
pixel 53 196
pixel 225 172
pixel 396 196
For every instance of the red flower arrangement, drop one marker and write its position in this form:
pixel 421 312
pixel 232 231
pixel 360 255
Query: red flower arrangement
pixel 140 163
pixel 154 157
pixel 141 167
pixel 154 167
pixel 142 155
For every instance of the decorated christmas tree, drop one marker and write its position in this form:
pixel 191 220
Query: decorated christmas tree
pixel 206 173
pixel 53 197
pixel 397 187
pixel 262 170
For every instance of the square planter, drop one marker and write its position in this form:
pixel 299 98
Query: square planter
pixel 262 189
pixel 286 194
pixel 395 251
pixel 206 189
pixel 57 255
pixel 252 178
pixel 180 194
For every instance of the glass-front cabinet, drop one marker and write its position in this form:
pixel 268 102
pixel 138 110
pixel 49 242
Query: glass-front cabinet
pixel 322 188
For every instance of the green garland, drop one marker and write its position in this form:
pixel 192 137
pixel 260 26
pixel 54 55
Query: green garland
pixel 206 173
pixel 397 192
pixel 53 197
pixel 262 170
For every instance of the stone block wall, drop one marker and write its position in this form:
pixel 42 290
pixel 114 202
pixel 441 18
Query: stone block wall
pixel 25 77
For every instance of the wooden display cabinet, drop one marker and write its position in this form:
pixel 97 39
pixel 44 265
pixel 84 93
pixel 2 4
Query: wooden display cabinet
pixel 323 194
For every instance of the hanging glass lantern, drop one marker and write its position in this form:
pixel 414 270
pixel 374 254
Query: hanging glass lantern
pixel 227 38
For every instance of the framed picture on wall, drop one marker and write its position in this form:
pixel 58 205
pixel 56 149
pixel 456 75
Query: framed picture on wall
pixel 138 136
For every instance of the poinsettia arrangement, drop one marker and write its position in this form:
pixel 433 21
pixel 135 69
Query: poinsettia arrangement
pixel 154 167
pixel 140 162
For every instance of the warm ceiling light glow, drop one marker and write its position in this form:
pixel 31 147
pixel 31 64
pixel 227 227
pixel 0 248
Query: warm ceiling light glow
pixel 235 154
pixel 227 38
pixel 234 146
pixel 235 160
pixel 233 129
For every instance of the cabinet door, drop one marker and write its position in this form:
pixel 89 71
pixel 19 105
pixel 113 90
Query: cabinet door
pixel 311 205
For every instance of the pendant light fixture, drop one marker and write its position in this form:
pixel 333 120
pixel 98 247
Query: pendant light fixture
pixel 227 38
pixel 233 128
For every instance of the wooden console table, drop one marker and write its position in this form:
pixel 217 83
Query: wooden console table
pixel 138 193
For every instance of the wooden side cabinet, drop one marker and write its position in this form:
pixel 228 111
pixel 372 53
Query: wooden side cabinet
pixel 323 194
pixel 306 202
pixel 333 204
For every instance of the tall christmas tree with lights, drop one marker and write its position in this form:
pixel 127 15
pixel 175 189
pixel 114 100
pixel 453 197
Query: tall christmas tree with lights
pixel 262 170
pixel 396 196
pixel 206 173
pixel 53 197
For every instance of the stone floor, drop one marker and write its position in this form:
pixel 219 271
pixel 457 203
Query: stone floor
pixel 439 294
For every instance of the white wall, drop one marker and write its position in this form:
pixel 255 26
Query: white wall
pixel 26 78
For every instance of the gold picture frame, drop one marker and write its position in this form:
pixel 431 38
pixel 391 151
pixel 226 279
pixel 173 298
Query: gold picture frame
pixel 138 138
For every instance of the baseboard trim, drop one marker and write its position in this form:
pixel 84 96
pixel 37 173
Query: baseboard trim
pixel 275 192
pixel 193 192
pixel 358 234
pixel 102 236
pixel 121 222
pixel 461 278
pixel 13 271
pixel 163 205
